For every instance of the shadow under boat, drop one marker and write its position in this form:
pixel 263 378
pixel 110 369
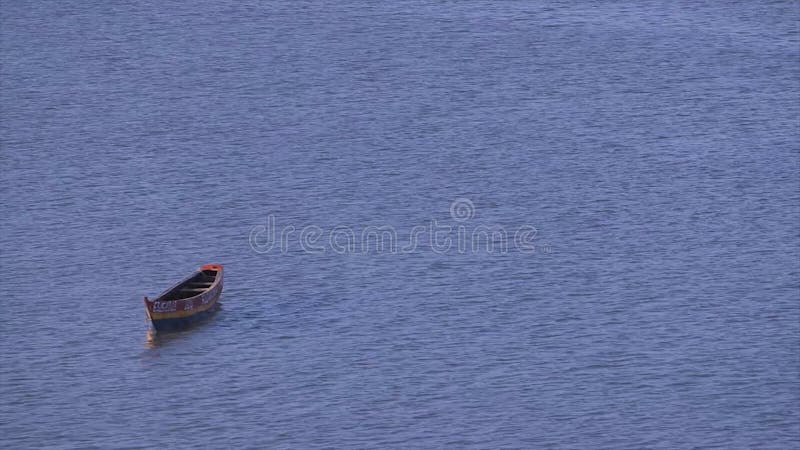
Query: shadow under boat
pixel 156 338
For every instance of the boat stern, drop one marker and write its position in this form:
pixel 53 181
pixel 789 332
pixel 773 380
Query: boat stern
pixel 214 267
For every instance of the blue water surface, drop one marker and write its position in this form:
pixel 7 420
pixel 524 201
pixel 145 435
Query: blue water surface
pixel 652 145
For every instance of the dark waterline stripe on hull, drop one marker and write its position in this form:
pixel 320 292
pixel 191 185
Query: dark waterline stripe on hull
pixel 183 322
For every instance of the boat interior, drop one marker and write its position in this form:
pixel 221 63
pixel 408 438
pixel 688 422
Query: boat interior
pixel 192 286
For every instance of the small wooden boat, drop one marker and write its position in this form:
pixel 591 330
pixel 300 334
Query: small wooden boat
pixel 192 299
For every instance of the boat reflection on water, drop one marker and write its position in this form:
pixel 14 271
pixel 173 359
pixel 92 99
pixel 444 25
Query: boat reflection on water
pixel 156 339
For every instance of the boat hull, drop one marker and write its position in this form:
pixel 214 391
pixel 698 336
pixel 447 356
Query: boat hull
pixel 183 322
pixel 169 312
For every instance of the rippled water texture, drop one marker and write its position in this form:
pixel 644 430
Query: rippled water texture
pixel 653 146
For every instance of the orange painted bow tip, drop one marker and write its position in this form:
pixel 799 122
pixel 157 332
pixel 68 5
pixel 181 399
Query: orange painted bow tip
pixel 211 267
